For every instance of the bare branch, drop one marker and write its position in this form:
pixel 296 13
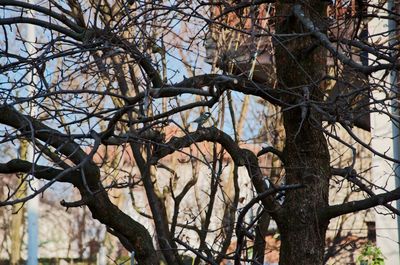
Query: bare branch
pixel 40 172
pixel 355 206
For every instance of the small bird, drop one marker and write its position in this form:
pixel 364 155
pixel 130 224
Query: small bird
pixel 202 119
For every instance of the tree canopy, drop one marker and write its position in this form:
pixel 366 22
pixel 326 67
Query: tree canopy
pixel 281 80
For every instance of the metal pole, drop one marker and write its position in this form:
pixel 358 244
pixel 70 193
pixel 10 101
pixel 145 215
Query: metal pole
pixel 33 204
pixel 133 258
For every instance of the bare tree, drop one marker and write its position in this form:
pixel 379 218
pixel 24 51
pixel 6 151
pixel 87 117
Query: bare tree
pixel 108 77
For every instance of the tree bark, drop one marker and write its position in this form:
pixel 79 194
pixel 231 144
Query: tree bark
pixel 17 219
pixel 16 234
pixel 300 68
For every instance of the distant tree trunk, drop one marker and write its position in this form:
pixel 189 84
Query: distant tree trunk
pixel 17 219
pixel 300 67
pixel 16 234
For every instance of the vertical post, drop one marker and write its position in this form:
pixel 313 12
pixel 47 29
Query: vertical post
pixel 393 79
pixel 33 204
pixel 33 230
pixel 133 258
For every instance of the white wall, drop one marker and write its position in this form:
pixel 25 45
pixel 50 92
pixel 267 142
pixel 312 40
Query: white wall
pixel 382 171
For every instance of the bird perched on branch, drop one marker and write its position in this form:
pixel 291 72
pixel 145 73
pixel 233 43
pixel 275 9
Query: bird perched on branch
pixel 202 119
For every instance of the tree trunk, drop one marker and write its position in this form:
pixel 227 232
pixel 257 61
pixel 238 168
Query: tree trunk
pixel 17 219
pixel 16 234
pixel 307 162
pixel 300 68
